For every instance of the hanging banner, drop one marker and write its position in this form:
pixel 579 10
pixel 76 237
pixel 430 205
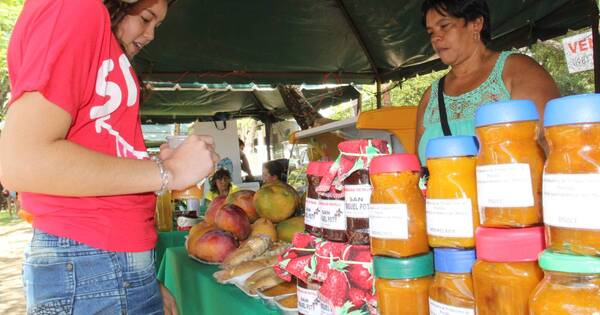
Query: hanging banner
pixel 579 52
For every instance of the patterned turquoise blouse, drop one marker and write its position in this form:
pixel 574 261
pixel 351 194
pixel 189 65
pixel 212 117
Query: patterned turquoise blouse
pixel 461 109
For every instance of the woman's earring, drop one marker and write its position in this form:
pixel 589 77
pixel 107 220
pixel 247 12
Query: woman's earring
pixel 476 36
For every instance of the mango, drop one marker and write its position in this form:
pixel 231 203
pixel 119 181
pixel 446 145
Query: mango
pixel 289 227
pixel 276 201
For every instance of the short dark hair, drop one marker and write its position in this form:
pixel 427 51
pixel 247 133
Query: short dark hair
pixel 221 173
pixel 276 168
pixel 469 10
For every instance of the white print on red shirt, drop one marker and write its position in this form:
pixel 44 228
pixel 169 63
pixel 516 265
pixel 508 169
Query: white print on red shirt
pixel 102 113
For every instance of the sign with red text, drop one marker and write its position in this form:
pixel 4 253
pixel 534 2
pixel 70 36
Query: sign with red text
pixel 579 52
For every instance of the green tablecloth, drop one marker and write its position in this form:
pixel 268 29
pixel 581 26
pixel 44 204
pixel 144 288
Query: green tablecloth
pixel 196 291
pixel 166 240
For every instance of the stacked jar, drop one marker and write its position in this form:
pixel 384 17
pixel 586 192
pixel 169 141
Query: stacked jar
pixel 509 178
pixel 312 215
pixel 571 179
pixel 398 235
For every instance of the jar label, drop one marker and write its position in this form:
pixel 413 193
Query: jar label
pixel 357 199
pixel 327 308
pixel 308 302
pixel 571 200
pixel 389 221
pixel 332 214
pixel 436 308
pixel 312 215
pixel 449 217
pixel 504 185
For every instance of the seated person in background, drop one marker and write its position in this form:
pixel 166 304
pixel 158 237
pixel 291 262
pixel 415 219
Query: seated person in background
pixel 273 171
pixel 220 185
pixel 244 161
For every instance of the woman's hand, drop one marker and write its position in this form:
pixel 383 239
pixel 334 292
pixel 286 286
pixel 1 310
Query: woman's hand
pixel 169 303
pixel 190 162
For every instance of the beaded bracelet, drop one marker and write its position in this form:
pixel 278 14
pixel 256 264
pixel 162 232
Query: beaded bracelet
pixel 164 176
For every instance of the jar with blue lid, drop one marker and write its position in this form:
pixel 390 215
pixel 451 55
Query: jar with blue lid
pixel 451 205
pixel 572 174
pixel 571 285
pixel 509 165
pixel 452 289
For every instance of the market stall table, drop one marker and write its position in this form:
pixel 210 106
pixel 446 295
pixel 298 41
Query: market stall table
pixel 197 292
pixel 166 240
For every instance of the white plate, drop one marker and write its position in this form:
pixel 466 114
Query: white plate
pixel 243 288
pixel 236 280
pixel 204 261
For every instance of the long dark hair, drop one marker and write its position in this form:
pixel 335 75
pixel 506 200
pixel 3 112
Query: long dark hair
pixel 118 9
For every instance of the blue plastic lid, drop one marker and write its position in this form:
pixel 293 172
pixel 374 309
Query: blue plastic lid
pixel 452 146
pixel 575 109
pixel 452 260
pixel 506 112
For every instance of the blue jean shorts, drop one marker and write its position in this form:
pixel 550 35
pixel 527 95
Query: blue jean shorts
pixel 62 276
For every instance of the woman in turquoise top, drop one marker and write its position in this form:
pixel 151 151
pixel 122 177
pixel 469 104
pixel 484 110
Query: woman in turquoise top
pixel 459 31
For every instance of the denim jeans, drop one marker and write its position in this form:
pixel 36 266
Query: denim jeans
pixel 62 276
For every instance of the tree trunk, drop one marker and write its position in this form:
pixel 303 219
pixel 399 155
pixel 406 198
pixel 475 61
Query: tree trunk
pixel 304 114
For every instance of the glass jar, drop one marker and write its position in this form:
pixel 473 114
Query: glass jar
pixel 451 292
pixel 397 211
pixel 164 212
pixel 572 175
pixel 357 196
pixel 509 165
pixel 506 271
pixel 308 298
pixel 333 217
pixel 451 204
pixel 402 284
pixel 571 285
pixel 312 214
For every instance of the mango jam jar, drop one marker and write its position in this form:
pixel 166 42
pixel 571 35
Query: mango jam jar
pixel 506 271
pixel 451 204
pixel 402 284
pixel 571 285
pixel 451 291
pixel 397 210
pixel 571 191
pixel 509 165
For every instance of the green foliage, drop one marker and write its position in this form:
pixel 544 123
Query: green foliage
pixel 550 54
pixel 9 11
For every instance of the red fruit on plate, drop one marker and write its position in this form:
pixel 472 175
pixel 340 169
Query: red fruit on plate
pixel 212 209
pixel 335 288
pixel 358 297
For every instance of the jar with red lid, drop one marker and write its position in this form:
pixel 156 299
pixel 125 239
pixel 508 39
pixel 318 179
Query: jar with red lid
pixel 506 271
pixel 312 214
pixel 397 212
pixel 355 157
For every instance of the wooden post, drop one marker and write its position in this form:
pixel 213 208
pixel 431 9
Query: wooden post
pixel 268 128
pixel 596 43
pixel 378 95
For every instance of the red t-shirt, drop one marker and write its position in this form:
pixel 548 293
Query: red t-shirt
pixel 65 50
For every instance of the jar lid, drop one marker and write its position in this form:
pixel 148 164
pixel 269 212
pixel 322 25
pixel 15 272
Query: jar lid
pixel 574 109
pixel 399 162
pixel 318 168
pixel 403 268
pixel 506 112
pixel 509 245
pixel 452 146
pixel 569 263
pixel 453 260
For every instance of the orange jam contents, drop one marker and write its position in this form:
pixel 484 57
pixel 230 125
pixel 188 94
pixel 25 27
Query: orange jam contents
pixel 400 188
pixel 574 149
pixel 566 293
pixel 454 289
pixel 453 178
pixel 280 289
pixel 506 144
pixel 504 288
pixel 403 296
pixel 289 302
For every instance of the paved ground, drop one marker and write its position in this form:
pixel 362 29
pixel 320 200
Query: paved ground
pixel 14 236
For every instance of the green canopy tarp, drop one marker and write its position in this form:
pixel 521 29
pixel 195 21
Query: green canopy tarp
pixel 190 102
pixel 335 41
